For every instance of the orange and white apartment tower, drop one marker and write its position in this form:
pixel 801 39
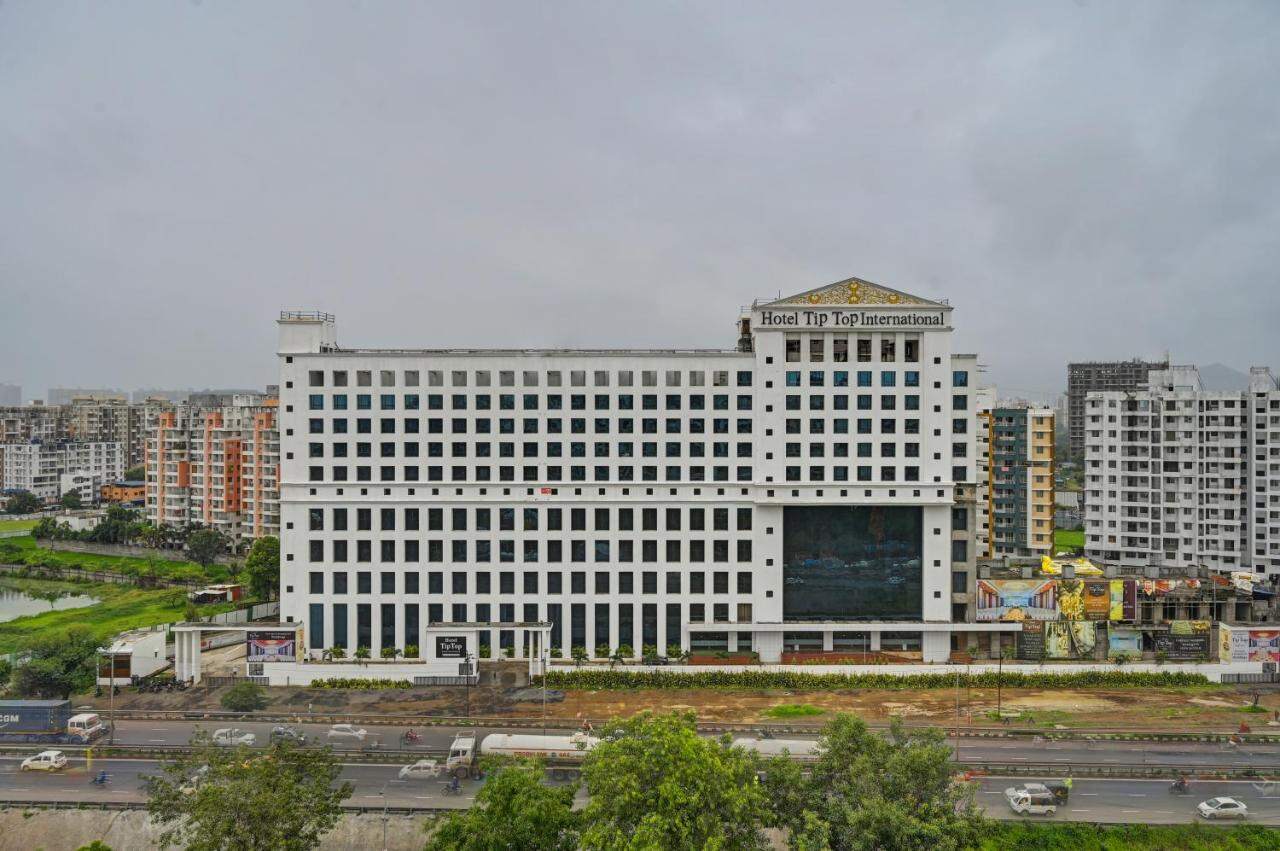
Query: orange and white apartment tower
pixel 217 466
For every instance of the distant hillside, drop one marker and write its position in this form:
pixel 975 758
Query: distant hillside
pixel 1218 376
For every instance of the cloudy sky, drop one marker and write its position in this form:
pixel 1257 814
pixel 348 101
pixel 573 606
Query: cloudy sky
pixel 1081 180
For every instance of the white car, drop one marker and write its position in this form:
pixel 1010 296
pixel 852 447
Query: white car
pixel 232 736
pixel 45 761
pixel 348 731
pixel 1216 808
pixel 423 768
pixel 1027 803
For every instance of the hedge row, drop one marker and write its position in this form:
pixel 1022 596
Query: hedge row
pixel 357 684
pixel 623 679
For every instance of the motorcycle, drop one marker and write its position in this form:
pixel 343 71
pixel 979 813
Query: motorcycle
pixel 101 779
pixel 411 738
pixel 1180 787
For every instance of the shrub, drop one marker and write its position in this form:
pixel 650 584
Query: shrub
pixel 244 697
pixel 485 651
pixel 600 679
pixel 389 652
pixel 359 684
pixel 411 651
pixel 602 651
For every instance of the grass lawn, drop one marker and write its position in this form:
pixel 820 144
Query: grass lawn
pixel 31 553
pixel 15 525
pixel 793 710
pixel 1066 539
pixel 121 607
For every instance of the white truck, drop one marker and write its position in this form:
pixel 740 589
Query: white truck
pixel 1031 802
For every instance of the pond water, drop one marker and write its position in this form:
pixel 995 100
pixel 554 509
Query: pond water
pixel 17 604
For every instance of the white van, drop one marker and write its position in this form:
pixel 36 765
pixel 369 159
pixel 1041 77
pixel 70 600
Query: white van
pixel 86 726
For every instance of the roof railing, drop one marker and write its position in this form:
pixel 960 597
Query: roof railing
pixel 309 315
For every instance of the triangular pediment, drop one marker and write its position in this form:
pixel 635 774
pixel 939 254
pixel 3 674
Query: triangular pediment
pixel 854 291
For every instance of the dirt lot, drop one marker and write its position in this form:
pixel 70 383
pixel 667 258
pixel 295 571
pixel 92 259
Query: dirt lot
pixel 1222 707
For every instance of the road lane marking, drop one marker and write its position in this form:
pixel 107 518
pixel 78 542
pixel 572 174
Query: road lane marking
pixel 1090 794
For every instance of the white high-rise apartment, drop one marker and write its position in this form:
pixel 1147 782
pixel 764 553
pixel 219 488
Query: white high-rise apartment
pixel 47 470
pixel 793 494
pixel 1177 474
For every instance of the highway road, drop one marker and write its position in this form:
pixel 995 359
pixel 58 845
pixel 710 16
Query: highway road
pixel 1092 800
pixel 1263 757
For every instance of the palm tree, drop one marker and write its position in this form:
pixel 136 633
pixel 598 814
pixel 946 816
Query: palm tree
pixel 579 655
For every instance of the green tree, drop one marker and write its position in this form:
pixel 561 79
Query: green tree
pixel 868 791
pixel 95 845
pixel 579 655
pixel 263 567
pixel 135 474
pixel 23 502
pixel 58 666
pixel 219 799
pixel 655 783
pixel 205 545
pixel 70 500
pixel 513 811
pixel 244 697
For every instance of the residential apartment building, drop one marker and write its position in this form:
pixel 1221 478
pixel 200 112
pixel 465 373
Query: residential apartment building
pixel 48 470
pixel 1179 475
pixel 37 421
pixel 1087 377
pixel 217 466
pixel 795 494
pixel 111 418
pixel 1019 481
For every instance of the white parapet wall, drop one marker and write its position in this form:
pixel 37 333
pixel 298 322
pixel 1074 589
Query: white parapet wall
pixel 305 673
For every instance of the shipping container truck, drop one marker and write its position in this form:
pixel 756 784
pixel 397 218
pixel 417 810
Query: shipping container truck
pixel 47 721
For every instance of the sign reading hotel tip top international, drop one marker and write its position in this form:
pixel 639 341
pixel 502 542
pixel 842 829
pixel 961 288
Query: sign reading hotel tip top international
pixel 818 320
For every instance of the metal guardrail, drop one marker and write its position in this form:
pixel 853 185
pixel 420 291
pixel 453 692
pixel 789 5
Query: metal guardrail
pixel 142 805
pixel 565 723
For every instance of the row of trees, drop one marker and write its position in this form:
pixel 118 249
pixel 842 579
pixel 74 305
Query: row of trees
pixel 652 782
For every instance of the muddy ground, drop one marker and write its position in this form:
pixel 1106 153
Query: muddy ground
pixel 1218 707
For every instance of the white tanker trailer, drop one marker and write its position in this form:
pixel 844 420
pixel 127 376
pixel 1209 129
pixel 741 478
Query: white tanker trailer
pixel 574 748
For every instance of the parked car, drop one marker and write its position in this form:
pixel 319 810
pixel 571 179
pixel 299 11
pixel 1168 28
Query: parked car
pixel 45 761
pixel 1024 802
pixel 232 736
pixel 285 733
pixel 347 731
pixel 423 768
pixel 1216 808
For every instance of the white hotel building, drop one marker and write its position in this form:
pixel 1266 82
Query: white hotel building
pixel 794 494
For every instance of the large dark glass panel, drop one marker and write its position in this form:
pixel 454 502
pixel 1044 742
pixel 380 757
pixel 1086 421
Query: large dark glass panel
pixel 852 563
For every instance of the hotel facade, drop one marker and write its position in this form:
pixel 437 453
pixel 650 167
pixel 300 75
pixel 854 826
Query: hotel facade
pixel 802 492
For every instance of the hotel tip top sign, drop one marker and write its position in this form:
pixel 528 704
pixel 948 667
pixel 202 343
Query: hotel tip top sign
pixel 828 308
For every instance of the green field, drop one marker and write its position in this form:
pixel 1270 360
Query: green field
pixel 24 550
pixel 14 525
pixel 1013 836
pixel 121 607
pixel 1066 539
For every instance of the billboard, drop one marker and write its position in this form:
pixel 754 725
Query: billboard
pixel 271 646
pixel 1070 639
pixel 451 647
pixel 1017 599
pixel 1084 599
pixel 1184 640
pixel 1124 642
pixel 1124 600
pixel 1029 644
pixel 1248 645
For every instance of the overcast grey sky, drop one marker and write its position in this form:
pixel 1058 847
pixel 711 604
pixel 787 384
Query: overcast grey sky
pixel 1081 180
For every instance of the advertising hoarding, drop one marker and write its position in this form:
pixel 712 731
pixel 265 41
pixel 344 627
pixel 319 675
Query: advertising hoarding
pixel 1124 642
pixel 1184 640
pixel 1017 599
pixel 1124 600
pixel 1237 644
pixel 1070 639
pixel 271 646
